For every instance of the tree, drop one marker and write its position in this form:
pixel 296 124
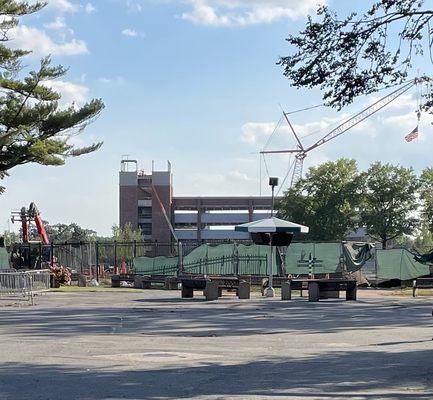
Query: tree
pixel 124 237
pixel 69 233
pixel 424 239
pixel 33 128
pixel 357 55
pixel 326 200
pixel 389 202
pixel 426 195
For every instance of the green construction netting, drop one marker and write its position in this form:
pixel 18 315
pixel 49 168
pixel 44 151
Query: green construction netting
pixel 156 265
pixel 326 258
pixel 4 258
pixel 252 260
pixel 398 264
pixel 208 259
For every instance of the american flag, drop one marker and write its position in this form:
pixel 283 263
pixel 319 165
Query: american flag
pixel 411 136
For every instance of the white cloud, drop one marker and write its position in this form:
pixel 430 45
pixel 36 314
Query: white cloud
pixel 256 132
pixel 57 24
pixel 129 32
pixel 71 92
pixel 134 6
pixel 89 8
pixel 247 12
pixel 118 80
pixel 29 38
pixel 63 5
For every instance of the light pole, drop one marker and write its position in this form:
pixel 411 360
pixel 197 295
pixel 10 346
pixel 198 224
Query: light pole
pixel 270 291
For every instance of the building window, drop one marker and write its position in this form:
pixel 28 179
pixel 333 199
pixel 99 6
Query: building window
pixel 146 229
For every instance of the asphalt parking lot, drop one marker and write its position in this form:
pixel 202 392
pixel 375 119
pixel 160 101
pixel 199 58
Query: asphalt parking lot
pixel 153 345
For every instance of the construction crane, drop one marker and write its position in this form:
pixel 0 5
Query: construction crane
pixel 302 151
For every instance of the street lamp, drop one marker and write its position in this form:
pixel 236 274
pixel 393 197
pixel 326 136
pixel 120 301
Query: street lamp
pixel 270 291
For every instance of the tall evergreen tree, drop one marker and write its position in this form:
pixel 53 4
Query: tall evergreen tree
pixel 33 128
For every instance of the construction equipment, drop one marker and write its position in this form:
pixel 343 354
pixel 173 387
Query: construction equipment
pixel 30 254
pixel 302 151
pixel 26 216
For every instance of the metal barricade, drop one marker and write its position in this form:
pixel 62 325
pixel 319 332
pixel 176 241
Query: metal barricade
pixel 24 283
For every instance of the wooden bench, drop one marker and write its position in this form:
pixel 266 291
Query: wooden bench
pixel 277 281
pixel 422 283
pixel 320 288
pixel 213 286
pixel 147 281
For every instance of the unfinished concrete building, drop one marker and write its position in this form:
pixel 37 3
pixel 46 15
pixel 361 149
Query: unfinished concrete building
pixel 146 201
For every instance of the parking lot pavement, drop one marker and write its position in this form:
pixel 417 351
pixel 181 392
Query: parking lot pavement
pixel 153 345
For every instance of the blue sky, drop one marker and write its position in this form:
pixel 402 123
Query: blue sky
pixel 190 81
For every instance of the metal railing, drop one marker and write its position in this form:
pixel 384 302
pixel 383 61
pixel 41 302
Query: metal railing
pixel 24 283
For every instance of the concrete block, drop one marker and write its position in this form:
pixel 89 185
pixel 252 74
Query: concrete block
pixel 187 293
pixel 138 282
pixel 211 291
pixel 313 291
pixel 244 290
pixel 82 281
pixel 286 291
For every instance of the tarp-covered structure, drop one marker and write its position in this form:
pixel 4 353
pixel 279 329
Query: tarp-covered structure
pixel 322 258
pixel 398 264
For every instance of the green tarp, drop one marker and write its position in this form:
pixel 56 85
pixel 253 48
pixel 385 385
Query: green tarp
pixel 4 258
pixel 398 264
pixel 326 258
pixel 155 265
pixel 252 260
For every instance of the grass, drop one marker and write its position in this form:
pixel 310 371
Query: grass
pixel 78 289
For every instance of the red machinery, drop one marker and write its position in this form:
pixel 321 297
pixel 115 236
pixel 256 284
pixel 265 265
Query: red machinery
pixel 26 216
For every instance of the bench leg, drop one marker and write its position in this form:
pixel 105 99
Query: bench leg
pixel 286 291
pixel 244 290
pixel 313 291
pixel 187 293
pixel 211 291
pixel 351 292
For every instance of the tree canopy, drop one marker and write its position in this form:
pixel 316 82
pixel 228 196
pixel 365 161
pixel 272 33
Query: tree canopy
pixel 334 199
pixel 389 202
pixel 326 200
pixel 426 195
pixel 358 54
pixel 33 127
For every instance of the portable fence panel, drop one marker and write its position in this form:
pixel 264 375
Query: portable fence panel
pixel 14 283
pixel 39 280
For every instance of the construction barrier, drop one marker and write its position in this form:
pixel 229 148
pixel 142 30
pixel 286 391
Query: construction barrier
pixel 23 283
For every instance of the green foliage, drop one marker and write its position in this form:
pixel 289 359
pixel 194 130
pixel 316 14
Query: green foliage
pixel 60 233
pixel 424 239
pixel 326 200
pixel 426 195
pixel 11 238
pixel 356 55
pixel 126 233
pixel 124 237
pixel 389 202
pixel 33 128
